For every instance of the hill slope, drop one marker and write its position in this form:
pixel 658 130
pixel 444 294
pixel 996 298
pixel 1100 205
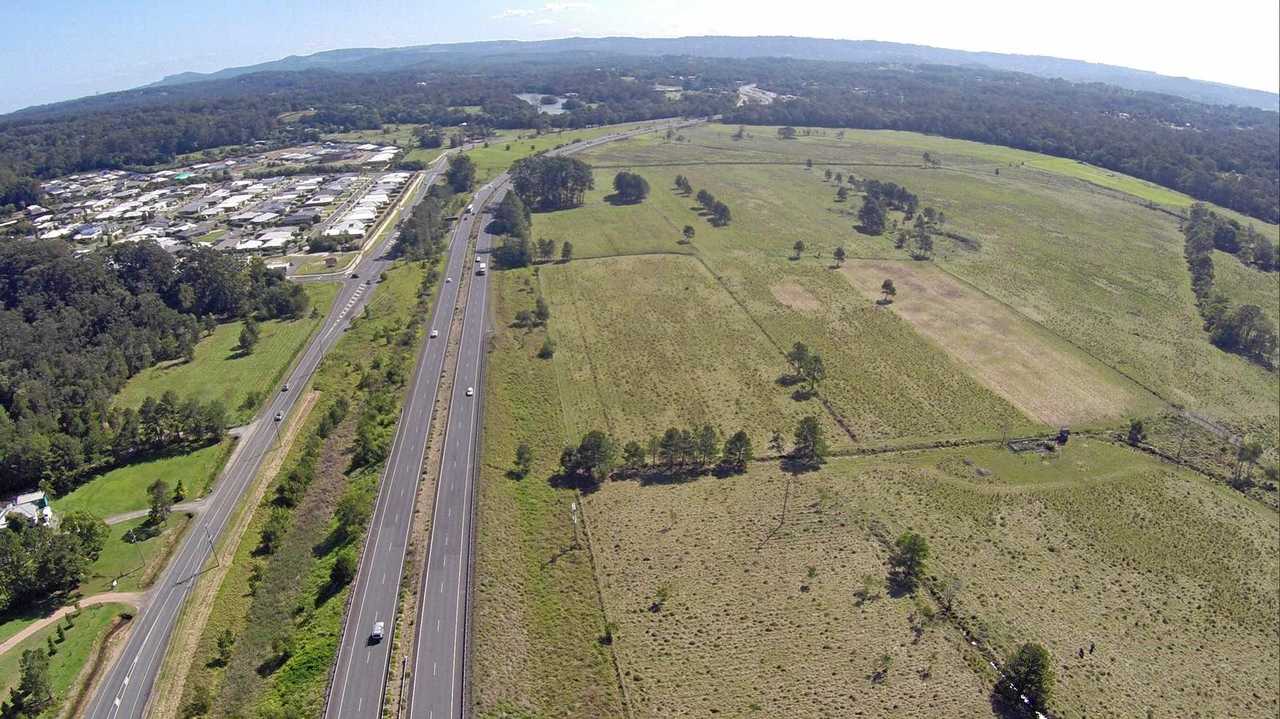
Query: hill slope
pixel 386 59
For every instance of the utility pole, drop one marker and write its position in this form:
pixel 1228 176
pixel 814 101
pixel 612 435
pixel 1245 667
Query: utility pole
pixel 572 513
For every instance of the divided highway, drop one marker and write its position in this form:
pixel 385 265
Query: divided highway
pixel 126 687
pixel 360 673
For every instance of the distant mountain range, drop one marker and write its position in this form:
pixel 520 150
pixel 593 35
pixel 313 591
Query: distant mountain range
pixel 373 60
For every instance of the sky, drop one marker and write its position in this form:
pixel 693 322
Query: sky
pixel 62 49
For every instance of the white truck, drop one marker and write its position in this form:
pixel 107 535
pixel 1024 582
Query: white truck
pixel 480 268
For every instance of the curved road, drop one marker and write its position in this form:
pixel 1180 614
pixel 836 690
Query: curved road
pixel 126 688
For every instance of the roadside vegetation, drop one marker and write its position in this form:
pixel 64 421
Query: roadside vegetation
pixel 38 675
pixel 291 570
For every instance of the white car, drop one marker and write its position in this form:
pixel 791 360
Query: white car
pixel 448 279
pixel 279 416
pixel 470 391
pixel 378 631
pixel 435 334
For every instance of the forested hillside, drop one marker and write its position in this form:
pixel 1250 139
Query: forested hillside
pixel 1227 155
pixel 73 329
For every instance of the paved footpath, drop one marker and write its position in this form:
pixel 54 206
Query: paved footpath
pixel 131 598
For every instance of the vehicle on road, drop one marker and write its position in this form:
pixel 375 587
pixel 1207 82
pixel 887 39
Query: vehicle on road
pixel 378 629
pixel 279 416
pixel 435 334
pixel 285 388
pixel 448 279
pixel 480 268
pixel 470 209
pixel 470 391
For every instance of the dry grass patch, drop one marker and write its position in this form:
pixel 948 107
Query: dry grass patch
pixel 719 609
pixel 796 297
pixel 1035 371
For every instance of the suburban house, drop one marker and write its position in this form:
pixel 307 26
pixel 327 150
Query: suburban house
pixel 32 506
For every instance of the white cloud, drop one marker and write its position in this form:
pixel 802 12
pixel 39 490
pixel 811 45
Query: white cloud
pixel 562 6
pixel 512 12
pixel 544 21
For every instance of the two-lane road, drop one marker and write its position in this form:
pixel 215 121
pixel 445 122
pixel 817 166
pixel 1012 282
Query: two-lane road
pixel 126 687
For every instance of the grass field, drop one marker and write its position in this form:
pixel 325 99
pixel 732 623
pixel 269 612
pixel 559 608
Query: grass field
pixel 510 145
pixel 675 350
pixel 220 372
pixel 311 265
pixel 1246 285
pixel 764 595
pixel 1170 576
pixel 81 641
pixel 400 135
pixel 1040 375
pixel 1090 264
pixel 536 621
pixel 125 489
pixel 134 565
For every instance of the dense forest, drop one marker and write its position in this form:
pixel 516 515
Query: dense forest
pixel 1227 155
pixel 73 329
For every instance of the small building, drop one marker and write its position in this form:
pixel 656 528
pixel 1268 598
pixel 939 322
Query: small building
pixel 32 507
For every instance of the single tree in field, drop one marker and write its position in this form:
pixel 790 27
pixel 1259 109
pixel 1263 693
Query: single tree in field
pixel 1029 673
pixel 248 335
pixel 35 687
pixel 343 569
pixel 798 247
pixel 524 318
pixel 813 371
pixel 708 445
pixel 808 164
pixel 548 349
pixel 630 187
pixel 872 217
pixel 839 178
pixel 842 193
pixel 161 502
pixel 776 444
pixel 654 447
pixel 786 133
pixel 524 460
pixel 888 290
pixel 737 451
pixel 1137 432
pixel 566 251
pixel 797 356
pixel 811 446
pixel 688 233
pixel 840 255
pixel 910 552
pixel 633 455
pixel 1246 454
pixel 827 174
pixel 541 311
pixel 546 248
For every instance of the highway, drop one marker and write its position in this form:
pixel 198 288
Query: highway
pixel 360 672
pixel 361 668
pixel 126 687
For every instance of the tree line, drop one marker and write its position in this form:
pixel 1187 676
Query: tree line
pixel 551 182
pixel 716 210
pixel 1246 329
pixel 74 329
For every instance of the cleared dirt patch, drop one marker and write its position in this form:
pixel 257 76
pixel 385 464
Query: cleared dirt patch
pixel 1037 373
pixel 796 297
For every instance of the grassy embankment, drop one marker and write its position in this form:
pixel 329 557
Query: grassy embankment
pixel 283 671
pixel 81 641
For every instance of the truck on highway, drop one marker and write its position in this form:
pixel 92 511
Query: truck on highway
pixel 480 268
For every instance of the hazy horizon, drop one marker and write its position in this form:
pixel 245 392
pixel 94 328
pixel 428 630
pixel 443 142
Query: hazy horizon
pixel 84 49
